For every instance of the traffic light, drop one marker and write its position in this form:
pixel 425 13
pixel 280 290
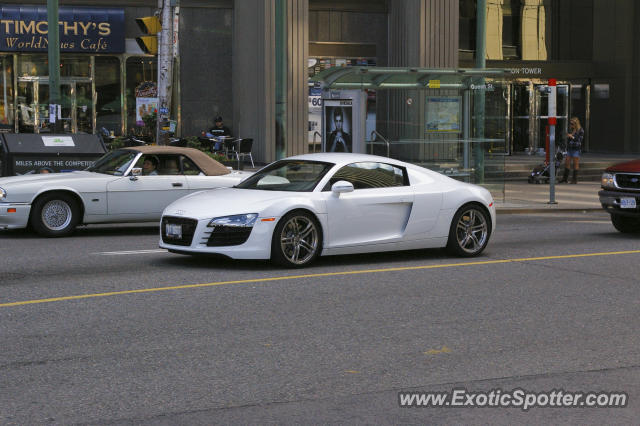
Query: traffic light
pixel 149 25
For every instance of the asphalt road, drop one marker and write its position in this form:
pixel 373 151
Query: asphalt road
pixel 104 328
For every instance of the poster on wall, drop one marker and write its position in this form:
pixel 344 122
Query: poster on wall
pixel 338 115
pixel 146 100
pixel 315 114
pixel 443 114
pixel 145 106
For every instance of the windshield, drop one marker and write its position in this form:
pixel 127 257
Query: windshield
pixel 114 163
pixel 288 175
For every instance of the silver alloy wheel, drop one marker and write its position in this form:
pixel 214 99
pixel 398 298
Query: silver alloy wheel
pixel 472 231
pixel 299 240
pixel 56 215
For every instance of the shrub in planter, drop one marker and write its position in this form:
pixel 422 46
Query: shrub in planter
pixel 224 160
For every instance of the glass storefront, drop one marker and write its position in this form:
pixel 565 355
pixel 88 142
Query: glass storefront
pixel 7 100
pixel 529 113
pixel 97 93
pixel 109 100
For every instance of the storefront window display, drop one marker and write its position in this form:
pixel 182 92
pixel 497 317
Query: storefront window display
pixel 142 76
pixel 6 93
pixel 74 66
pixel 108 94
pixel 33 65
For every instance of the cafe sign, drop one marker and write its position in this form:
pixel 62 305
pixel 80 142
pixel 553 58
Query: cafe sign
pixel 81 29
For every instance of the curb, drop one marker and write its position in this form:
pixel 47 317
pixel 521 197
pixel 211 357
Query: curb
pixel 525 210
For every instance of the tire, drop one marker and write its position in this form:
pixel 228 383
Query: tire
pixel 470 231
pixel 297 240
pixel 55 215
pixel 625 224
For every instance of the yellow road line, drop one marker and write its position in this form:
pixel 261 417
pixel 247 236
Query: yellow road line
pixel 323 274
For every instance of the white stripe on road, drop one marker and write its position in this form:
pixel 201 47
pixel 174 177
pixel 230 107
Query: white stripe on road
pixel 117 253
pixel 601 222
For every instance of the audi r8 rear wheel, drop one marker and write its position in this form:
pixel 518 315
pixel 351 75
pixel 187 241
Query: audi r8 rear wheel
pixel 55 215
pixel 470 231
pixel 297 240
pixel 625 224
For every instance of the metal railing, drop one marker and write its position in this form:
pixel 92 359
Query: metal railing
pixel 376 133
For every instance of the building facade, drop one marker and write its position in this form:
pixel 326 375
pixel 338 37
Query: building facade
pixel 250 61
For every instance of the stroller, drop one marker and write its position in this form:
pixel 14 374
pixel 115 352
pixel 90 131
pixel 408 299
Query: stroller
pixel 540 173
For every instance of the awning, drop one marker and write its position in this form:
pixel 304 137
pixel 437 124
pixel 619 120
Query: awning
pixel 402 78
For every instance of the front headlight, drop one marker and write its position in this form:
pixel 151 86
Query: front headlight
pixel 238 220
pixel 3 194
pixel 607 180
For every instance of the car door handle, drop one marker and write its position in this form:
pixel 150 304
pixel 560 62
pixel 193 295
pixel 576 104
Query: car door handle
pixel 176 184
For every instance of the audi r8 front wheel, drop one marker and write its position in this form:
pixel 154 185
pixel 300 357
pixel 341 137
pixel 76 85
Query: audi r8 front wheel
pixel 297 240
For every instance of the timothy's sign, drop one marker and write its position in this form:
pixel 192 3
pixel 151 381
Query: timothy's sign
pixel 82 29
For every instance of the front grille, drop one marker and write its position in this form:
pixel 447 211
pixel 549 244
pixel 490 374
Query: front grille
pixel 228 236
pixel 188 229
pixel 628 181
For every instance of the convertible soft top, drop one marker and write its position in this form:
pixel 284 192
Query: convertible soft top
pixel 208 165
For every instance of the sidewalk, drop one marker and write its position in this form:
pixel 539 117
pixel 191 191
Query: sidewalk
pixel 522 197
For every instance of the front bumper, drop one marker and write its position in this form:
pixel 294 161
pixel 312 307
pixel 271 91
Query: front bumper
pixel 610 201
pixel 14 220
pixel 257 246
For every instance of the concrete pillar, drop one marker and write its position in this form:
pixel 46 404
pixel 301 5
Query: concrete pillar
pixel 254 86
pixel 254 75
pixel 422 34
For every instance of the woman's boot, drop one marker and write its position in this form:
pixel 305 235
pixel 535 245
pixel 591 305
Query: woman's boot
pixel 565 176
pixel 575 176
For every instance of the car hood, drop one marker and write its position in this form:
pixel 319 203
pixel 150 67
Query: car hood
pixel 226 201
pixel 48 178
pixel 629 167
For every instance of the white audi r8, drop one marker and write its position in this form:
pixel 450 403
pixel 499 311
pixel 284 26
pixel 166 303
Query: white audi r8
pixel 126 185
pixel 296 209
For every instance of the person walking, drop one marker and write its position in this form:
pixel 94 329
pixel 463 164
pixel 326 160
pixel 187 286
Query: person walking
pixel 574 148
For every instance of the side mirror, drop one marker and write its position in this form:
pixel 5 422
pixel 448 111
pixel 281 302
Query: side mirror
pixel 135 172
pixel 341 186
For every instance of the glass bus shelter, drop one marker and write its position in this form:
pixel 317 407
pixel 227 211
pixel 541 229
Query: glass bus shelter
pixel 454 121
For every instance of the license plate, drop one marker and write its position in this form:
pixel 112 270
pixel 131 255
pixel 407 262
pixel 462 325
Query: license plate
pixel 173 231
pixel 627 203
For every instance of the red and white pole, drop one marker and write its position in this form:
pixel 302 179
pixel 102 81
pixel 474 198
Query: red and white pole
pixel 553 121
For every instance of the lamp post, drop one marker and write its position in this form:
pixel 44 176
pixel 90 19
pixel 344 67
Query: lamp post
pixel 165 73
pixel 54 58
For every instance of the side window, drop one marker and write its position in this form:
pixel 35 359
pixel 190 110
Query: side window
pixel 370 175
pixel 149 164
pixel 168 165
pixel 189 167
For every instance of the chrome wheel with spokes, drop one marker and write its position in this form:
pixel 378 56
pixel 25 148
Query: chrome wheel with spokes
pixel 55 214
pixel 470 231
pixel 297 240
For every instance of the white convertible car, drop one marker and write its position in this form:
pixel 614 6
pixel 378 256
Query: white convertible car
pixel 302 207
pixel 125 185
